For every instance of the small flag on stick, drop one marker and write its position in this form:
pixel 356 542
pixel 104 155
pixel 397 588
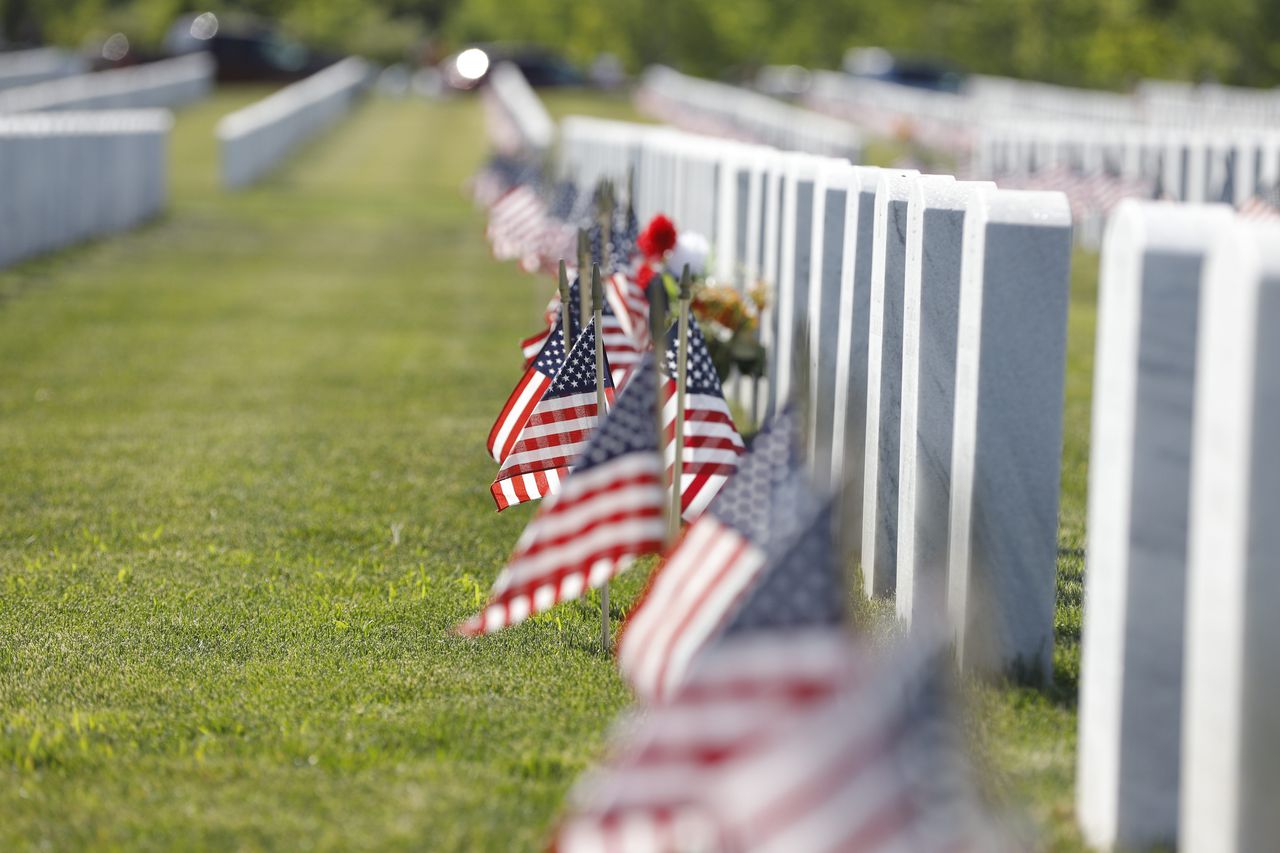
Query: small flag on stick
pixel 711 444
pixel 690 599
pixel 609 509
pixel 557 429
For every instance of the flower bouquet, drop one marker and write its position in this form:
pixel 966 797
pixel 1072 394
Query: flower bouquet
pixel 730 319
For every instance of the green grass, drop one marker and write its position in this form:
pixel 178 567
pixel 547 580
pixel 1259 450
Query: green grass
pixel 243 497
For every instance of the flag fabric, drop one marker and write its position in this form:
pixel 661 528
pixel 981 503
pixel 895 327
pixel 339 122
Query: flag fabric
pixel 517 223
pixel 712 444
pixel 652 792
pixel 878 766
pixel 800 741
pixel 783 736
pixel 623 350
pixel 524 397
pixel 532 345
pixel 787 737
pixel 689 600
pixel 556 430
pixel 608 510
pixel 630 302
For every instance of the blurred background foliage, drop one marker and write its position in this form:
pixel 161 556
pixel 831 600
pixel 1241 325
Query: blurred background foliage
pixel 1102 43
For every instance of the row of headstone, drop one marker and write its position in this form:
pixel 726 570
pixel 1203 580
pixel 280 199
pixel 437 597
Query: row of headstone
pixel 254 140
pixel 1181 165
pixel 73 176
pixel 24 67
pixel 166 83
pixel 516 119
pixel 921 322
pixel 724 110
pixel 981 99
pixel 1180 679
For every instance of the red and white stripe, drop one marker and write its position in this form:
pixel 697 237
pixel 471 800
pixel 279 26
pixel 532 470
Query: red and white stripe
pixel 685 606
pixel 623 350
pixel 631 303
pixel 580 538
pixel 515 413
pixel 516 223
pixel 659 790
pixel 532 345
pixel 712 447
pixel 555 433
pixel 786 741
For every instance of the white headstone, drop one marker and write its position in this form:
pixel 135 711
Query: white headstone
pixel 931 311
pixel 830 205
pixel 1139 475
pixel 848 440
pixel 793 275
pixel 1231 715
pixel 884 383
pixel 1007 446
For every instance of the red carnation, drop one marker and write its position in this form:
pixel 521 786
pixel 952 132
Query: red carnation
pixel 644 275
pixel 658 238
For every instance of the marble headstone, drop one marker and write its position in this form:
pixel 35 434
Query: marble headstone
pixel 793 274
pixel 830 203
pixel 1139 481
pixel 931 311
pixel 1231 711
pixel 884 384
pixel 1007 445
pixel 848 440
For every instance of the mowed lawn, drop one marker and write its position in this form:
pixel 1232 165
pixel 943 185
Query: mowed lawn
pixel 244 496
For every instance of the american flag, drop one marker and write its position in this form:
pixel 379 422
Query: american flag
pixel 626 230
pixel 498 176
pixel 608 510
pixel 622 349
pixel 711 441
pixel 630 302
pixel 532 345
pixel 525 396
pixel 517 223
pixel 557 429
pixel 652 794
pixel 690 599
pixel 787 737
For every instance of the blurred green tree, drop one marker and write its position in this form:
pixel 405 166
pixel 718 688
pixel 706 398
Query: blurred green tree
pixel 1103 43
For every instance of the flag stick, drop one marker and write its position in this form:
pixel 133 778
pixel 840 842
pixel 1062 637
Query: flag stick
pixel 631 190
pixel 657 331
pixel 597 310
pixel 584 310
pixel 566 326
pixel 682 375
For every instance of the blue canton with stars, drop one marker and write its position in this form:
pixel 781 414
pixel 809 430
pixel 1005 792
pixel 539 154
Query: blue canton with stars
pixel 800 585
pixel 551 356
pixel 563 197
pixel 748 502
pixel 578 374
pixel 631 427
pixel 702 377
pixel 595 242
pixel 625 230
